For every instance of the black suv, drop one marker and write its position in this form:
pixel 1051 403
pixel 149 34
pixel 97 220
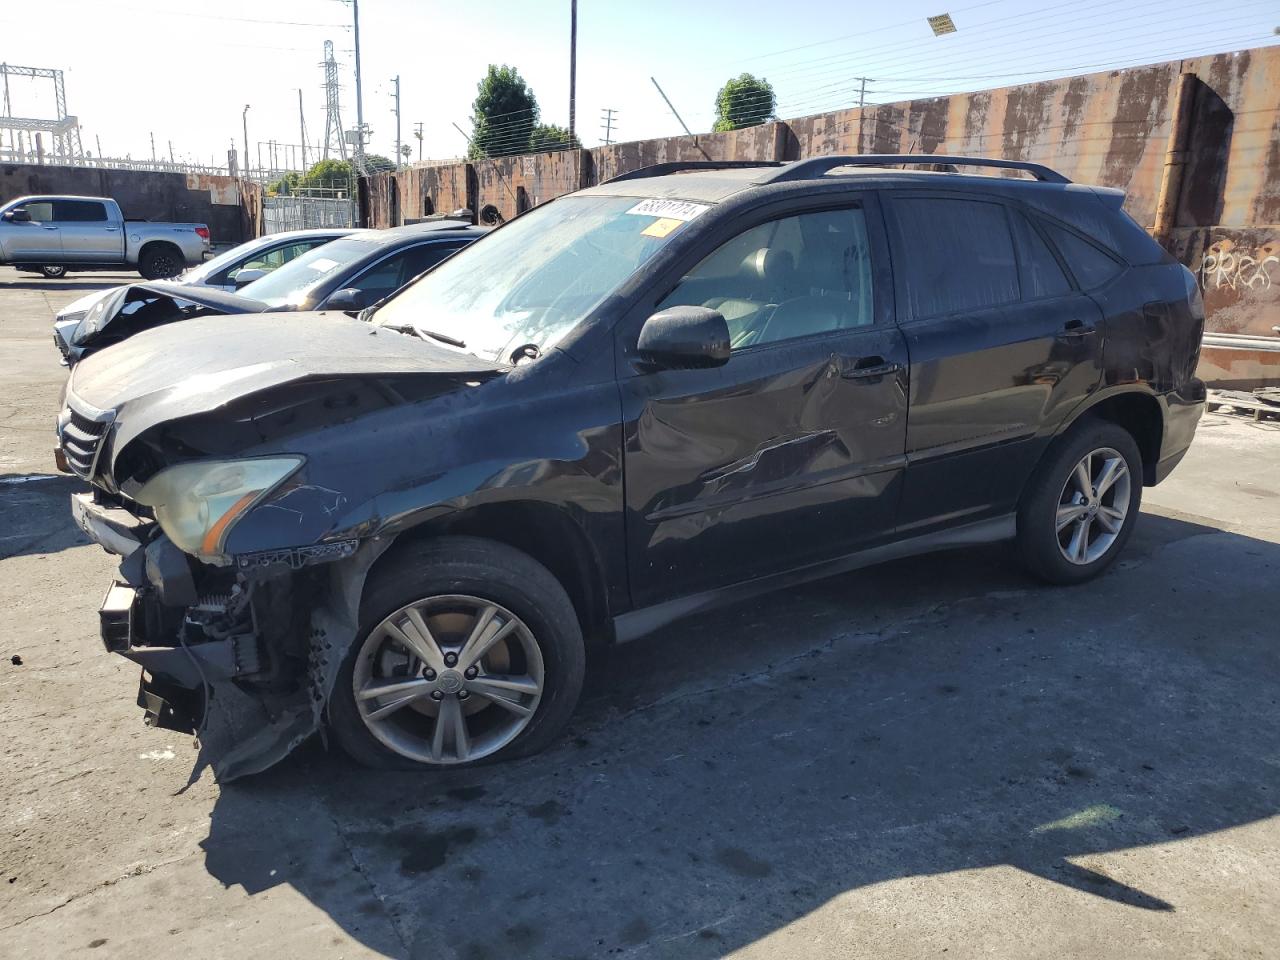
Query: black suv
pixel 681 387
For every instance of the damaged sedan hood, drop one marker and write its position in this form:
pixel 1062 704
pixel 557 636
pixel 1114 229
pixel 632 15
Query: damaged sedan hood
pixel 107 307
pixel 195 367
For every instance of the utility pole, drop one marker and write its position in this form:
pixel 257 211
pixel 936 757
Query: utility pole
pixel 359 155
pixel 418 133
pixel 153 147
pixel 607 117
pixel 302 128
pixel 396 96
pixel 862 93
pixel 673 109
pixel 573 63
pixel 171 151
pixel 244 119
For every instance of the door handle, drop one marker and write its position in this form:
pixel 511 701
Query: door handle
pixel 111 229
pixel 1077 328
pixel 49 227
pixel 870 367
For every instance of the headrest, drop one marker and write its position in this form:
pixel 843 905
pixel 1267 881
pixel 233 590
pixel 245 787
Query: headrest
pixel 766 264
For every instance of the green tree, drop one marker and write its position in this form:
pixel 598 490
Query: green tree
pixel 377 163
pixel 744 101
pixel 503 115
pixel 548 136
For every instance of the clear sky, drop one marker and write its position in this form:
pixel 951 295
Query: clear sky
pixel 184 70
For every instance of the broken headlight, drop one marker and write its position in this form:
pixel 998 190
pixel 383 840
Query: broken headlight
pixel 196 504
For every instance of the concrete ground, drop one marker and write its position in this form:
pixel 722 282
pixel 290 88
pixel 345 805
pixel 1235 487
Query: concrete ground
pixel 935 756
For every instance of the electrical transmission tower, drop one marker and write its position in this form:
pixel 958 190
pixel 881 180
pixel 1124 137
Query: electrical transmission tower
pixel 333 136
pixel 64 130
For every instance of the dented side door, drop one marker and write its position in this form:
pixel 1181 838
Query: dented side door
pixel 791 453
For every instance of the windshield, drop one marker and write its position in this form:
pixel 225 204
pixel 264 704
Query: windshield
pixel 531 282
pixel 225 259
pixel 291 284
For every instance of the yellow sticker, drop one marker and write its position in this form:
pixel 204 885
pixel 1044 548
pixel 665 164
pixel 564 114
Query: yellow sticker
pixel 660 227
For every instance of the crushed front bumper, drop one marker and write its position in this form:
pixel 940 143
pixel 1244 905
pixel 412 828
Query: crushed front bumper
pixel 252 680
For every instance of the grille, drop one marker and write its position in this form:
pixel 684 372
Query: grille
pixel 62 347
pixel 80 431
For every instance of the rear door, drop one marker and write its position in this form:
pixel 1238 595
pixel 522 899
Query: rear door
pixel 87 235
pixel 791 452
pixel 1003 345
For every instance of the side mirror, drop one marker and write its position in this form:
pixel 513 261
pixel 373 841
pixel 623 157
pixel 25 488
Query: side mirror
pixel 18 215
pixel 685 338
pixel 346 299
pixel 245 277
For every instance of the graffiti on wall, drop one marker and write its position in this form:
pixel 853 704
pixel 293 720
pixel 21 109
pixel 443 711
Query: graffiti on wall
pixel 1225 264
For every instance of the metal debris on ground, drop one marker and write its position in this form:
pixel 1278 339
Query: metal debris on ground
pixel 1262 403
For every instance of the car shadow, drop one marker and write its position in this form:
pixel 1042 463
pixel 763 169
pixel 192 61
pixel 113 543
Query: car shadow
pixel 48 286
pixel 732 774
pixel 34 517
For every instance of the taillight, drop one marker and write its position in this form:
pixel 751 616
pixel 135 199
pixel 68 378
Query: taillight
pixel 202 232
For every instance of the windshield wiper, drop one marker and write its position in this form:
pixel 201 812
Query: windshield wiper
pixel 442 337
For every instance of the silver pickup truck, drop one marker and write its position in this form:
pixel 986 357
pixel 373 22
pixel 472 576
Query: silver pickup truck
pixel 53 235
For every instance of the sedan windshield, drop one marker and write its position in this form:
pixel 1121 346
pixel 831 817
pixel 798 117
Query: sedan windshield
pixel 291 284
pixel 520 290
pixel 226 259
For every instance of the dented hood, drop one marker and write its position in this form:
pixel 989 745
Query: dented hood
pixel 200 365
pixel 100 312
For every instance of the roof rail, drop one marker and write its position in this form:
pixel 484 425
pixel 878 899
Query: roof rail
pixel 817 166
pixel 676 166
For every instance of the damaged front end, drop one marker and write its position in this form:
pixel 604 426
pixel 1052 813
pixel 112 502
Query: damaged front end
pixel 243 655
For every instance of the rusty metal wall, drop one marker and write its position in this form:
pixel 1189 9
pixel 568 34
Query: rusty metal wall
pixel 515 184
pixel 764 142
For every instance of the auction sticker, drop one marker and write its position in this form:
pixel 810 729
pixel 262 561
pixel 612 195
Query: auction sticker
pixel 661 228
pixel 681 210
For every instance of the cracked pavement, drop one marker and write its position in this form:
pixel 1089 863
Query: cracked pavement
pixel 937 754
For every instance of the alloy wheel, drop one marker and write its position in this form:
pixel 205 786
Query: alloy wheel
pixel 448 679
pixel 1093 506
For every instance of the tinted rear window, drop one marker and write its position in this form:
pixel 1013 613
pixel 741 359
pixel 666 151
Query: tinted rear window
pixel 953 255
pixel 1042 275
pixel 1091 266
pixel 79 211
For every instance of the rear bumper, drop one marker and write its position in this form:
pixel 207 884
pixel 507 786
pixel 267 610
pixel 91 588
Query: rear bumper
pixel 1183 411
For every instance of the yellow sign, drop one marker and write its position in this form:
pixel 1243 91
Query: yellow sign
pixel 661 227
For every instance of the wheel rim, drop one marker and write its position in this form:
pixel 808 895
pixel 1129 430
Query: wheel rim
pixel 1093 506
pixel 55 271
pixel 448 679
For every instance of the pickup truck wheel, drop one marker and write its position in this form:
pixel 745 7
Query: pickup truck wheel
pixel 468 652
pixel 54 272
pixel 1081 504
pixel 160 262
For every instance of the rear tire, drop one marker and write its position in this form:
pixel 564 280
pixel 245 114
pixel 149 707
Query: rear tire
pixel 1079 507
pixel 533 673
pixel 54 272
pixel 161 262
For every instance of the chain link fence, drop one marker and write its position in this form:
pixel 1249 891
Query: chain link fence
pixel 301 213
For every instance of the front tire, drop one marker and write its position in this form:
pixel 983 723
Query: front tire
pixel 54 272
pixel 1079 507
pixel 468 652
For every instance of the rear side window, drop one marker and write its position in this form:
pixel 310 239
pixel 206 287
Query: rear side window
pixel 79 211
pixel 953 255
pixel 1041 273
pixel 1091 266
